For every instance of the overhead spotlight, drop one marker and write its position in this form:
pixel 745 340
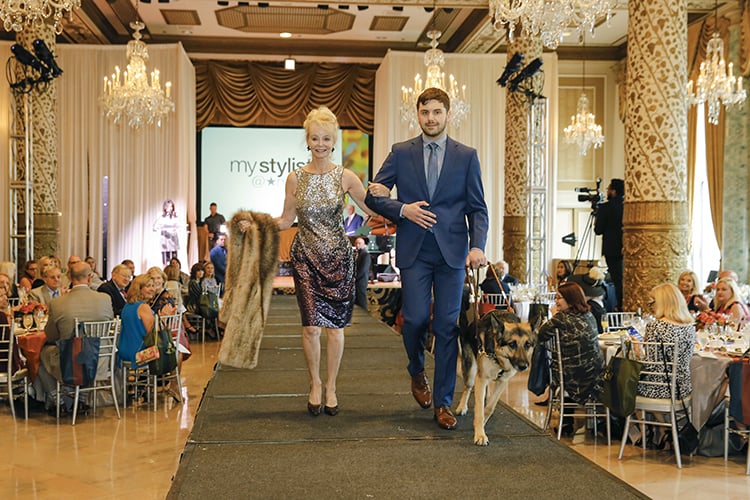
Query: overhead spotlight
pixel 222 3
pixel 26 58
pixel 239 4
pixel 363 7
pixel 323 6
pixel 429 9
pixel 43 53
pixel 144 1
pixel 513 65
pixel 262 5
pixel 290 64
pixel 397 8
pixel 343 7
pixel 163 1
pixel 569 239
pixel 447 10
pixel 527 72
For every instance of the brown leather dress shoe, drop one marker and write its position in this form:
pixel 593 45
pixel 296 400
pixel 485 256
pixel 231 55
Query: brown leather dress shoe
pixel 445 418
pixel 420 389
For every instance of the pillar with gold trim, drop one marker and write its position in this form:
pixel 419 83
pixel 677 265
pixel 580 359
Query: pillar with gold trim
pixel 655 231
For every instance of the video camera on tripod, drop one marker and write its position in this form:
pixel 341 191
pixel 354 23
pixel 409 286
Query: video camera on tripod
pixel 593 196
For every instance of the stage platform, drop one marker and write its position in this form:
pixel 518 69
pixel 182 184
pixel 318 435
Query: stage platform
pixel 253 436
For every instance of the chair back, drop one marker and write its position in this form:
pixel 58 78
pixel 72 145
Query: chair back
pixel 619 320
pixel 498 300
pixel 556 366
pixel 173 323
pixel 7 340
pixel 656 370
pixel 108 332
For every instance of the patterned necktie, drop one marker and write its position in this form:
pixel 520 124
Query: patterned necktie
pixel 55 294
pixel 432 168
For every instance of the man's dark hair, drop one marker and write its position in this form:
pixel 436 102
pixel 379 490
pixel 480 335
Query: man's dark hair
pixel 436 94
pixel 618 186
pixel 213 204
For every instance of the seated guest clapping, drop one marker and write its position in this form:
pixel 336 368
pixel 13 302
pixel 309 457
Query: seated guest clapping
pixel 195 286
pixel 137 317
pixel 117 287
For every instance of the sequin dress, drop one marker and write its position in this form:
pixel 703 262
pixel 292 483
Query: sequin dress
pixel 321 254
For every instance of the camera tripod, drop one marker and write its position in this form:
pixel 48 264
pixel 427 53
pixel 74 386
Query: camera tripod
pixel 587 245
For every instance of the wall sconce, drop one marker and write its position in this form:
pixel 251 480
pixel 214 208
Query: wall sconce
pixel 290 63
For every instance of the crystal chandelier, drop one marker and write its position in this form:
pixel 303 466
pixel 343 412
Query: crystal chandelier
pixel 132 97
pixel 16 14
pixel 583 130
pixel 548 20
pixel 715 85
pixel 434 59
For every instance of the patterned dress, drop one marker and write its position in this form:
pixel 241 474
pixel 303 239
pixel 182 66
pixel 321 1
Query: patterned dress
pixel 664 331
pixel 581 355
pixel 321 254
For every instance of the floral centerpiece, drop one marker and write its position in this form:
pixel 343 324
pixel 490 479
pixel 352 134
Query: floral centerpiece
pixel 32 307
pixel 709 317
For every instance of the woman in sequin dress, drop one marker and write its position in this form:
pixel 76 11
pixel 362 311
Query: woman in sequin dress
pixel 321 254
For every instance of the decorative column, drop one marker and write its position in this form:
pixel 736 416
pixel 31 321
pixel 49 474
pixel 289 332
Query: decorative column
pixel 43 125
pixel 655 232
pixel 517 106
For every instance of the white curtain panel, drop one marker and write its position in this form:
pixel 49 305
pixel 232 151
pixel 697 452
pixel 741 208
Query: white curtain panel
pixel 141 167
pixel 484 129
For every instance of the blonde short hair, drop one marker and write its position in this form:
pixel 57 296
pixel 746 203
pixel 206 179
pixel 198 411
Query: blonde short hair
pixel 669 304
pixel 325 118
pixel 735 293
pixel 693 277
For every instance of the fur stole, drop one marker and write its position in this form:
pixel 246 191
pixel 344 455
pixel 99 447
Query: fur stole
pixel 251 266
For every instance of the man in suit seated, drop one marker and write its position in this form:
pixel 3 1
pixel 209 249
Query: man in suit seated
pixel 51 288
pixel 352 222
pixel 80 302
pixel 117 287
pixel 502 269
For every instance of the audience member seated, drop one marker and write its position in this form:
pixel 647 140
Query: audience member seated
pixel 195 287
pixel 184 278
pixel 673 322
pixel 209 282
pixel 65 281
pixel 117 287
pixel 42 264
pixel 9 270
pixel 563 271
pixel 352 221
pixel 502 269
pixel 592 285
pixel 80 302
pixel 581 355
pixel 728 302
pixel 137 318
pixel 492 282
pixel 130 265
pixel 687 283
pixel 51 287
pixel 166 304
pixel 29 275
pixel 362 264
pixel 96 280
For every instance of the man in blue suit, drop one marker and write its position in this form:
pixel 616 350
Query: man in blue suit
pixel 442 226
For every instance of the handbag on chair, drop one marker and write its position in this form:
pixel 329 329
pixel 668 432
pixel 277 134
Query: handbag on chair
pixel 620 383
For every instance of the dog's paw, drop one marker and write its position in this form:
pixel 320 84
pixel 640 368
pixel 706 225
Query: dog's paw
pixel 481 439
pixel 462 409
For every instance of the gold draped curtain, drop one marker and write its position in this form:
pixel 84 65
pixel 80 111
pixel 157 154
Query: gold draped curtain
pixel 698 36
pixel 242 93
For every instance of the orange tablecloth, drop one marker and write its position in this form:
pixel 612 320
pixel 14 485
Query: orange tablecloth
pixel 31 345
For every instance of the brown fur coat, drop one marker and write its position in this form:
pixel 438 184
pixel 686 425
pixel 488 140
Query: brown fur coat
pixel 251 266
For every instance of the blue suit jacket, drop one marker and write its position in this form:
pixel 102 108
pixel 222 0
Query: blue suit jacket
pixel 458 201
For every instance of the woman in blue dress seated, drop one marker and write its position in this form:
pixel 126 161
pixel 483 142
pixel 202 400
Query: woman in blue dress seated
pixel 137 317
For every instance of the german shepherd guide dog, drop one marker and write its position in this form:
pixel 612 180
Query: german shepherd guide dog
pixel 492 351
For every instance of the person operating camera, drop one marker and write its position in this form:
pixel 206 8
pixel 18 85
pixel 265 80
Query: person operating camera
pixel 609 225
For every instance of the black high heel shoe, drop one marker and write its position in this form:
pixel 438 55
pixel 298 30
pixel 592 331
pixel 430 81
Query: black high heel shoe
pixel 315 410
pixel 331 410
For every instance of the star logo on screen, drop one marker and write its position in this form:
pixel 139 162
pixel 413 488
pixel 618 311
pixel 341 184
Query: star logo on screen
pixel 271 181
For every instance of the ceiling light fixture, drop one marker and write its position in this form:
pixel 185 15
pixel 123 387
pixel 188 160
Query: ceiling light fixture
pixel 434 59
pixel 132 97
pixel 290 64
pixel 583 130
pixel 549 19
pixel 285 34
pixel 716 83
pixel 18 14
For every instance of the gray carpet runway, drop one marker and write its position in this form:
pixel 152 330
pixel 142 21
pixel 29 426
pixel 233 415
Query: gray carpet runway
pixel 253 436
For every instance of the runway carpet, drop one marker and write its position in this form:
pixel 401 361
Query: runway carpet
pixel 253 436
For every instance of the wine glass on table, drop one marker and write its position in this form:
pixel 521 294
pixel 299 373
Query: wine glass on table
pixel 28 321
pixel 40 317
